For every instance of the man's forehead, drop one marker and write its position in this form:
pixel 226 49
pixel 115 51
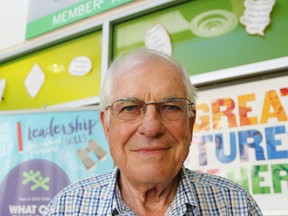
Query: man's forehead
pixel 144 68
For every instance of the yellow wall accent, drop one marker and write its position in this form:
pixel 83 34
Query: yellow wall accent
pixel 59 86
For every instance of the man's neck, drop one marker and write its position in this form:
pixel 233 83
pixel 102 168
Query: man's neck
pixel 148 199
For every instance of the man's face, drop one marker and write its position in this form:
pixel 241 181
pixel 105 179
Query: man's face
pixel 149 149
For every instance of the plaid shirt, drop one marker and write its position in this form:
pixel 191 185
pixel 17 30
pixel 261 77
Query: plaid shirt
pixel 197 194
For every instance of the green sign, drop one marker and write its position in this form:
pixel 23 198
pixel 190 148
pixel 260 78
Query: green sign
pixel 206 35
pixel 69 15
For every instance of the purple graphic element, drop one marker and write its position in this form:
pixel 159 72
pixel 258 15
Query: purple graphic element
pixel 30 186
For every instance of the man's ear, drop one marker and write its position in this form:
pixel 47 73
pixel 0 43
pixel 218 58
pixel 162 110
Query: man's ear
pixel 105 123
pixel 192 121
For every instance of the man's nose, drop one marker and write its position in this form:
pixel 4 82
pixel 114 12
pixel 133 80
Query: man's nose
pixel 149 103
pixel 151 123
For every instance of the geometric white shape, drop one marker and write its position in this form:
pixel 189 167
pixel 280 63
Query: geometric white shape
pixel 80 66
pixel 157 38
pixel 2 88
pixel 256 15
pixel 34 80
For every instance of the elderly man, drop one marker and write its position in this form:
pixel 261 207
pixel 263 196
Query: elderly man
pixel 148 112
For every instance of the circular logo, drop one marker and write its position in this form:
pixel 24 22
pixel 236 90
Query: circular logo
pixel 213 23
pixel 29 187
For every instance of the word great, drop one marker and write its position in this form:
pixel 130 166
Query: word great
pixel 243 114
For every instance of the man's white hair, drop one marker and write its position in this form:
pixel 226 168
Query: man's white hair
pixel 127 61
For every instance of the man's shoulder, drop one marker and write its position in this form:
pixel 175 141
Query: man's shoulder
pixel 90 191
pixel 93 183
pixel 206 180
pixel 210 192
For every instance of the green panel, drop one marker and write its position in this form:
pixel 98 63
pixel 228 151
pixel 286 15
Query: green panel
pixel 205 54
pixel 59 86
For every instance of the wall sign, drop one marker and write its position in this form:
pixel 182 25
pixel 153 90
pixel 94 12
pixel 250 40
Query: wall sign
pixel 241 133
pixel 44 16
pixel 43 152
pixel 208 37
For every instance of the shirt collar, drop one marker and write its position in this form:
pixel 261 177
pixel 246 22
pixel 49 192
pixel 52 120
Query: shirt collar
pixel 184 192
pixel 112 190
pixel 185 188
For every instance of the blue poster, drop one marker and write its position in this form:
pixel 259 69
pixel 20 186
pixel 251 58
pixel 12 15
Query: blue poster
pixel 43 152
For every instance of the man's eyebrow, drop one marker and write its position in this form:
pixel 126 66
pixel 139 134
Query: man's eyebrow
pixel 128 99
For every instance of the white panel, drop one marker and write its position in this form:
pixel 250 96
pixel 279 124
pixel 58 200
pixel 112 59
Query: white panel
pixel 12 22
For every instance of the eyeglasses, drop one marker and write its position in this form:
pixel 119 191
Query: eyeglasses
pixel 171 108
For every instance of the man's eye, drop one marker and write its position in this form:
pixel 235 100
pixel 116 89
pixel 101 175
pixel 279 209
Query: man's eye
pixel 169 107
pixel 130 108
